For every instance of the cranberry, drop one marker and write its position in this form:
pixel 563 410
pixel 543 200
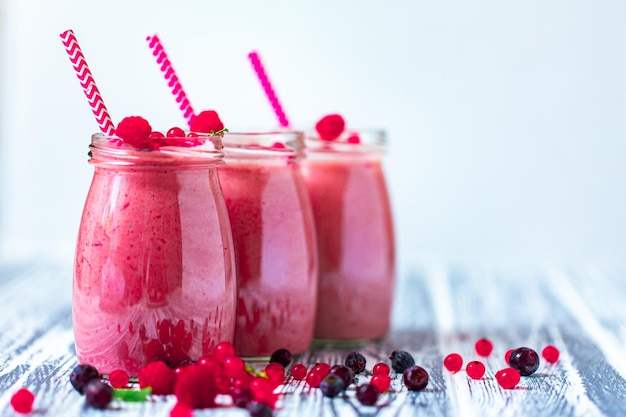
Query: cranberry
pixel 22 401
pixel 282 356
pixel 367 394
pixel 550 354
pixel 508 377
pixel 81 375
pixel 525 360
pixel 381 369
pixel 483 347
pixel 415 378
pixel 401 360
pixel 475 369
pixel 298 372
pixel 453 362
pixel 332 385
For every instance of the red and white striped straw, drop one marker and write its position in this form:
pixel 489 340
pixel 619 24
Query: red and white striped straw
pixel 87 82
pixel 255 60
pixel 170 76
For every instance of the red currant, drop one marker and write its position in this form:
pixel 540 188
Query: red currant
pixel 210 362
pixel 483 347
pixel 176 132
pixel 275 372
pixel 507 356
pixel 453 362
pixel 508 377
pixel 475 369
pixel 278 145
pixel 261 388
pixel 22 401
pixel 381 368
pixel 224 350
pixel 314 378
pixel 118 378
pixel 322 368
pixel 381 382
pixel 233 366
pixel 298 372
pixel 550 354
pixel 156 135
pixel 354 138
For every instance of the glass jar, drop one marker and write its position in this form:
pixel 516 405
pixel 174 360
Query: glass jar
pixel 355 235
pixel 274 237
pixel 154 272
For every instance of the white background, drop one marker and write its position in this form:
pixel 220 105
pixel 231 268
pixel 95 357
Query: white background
pixel 505 118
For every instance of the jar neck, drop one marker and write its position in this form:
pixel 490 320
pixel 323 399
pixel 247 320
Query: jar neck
pixel 110 151
pixel 351 143
pixel 278 146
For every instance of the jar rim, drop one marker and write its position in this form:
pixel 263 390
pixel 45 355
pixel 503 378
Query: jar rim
pixel 259 144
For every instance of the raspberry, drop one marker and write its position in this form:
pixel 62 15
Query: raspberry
pixel 22 401
pixel 206 122
pixel 330 127
pixel 159 376
pixel 118 378
pixel 195 387
pixel 135 131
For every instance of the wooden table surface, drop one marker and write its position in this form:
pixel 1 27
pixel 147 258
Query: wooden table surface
pixel 438 310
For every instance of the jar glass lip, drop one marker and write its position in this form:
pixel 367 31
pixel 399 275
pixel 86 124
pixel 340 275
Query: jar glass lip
pixel 261 144
pixel 351 141
pixel 198 150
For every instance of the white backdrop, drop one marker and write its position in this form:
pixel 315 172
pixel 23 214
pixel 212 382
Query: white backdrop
pixel 506 119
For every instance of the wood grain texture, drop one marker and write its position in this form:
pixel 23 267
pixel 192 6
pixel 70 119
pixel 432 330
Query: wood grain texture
pixel 438 310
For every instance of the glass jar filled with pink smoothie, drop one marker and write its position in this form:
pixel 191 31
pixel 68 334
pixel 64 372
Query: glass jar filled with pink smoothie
pixel 355 237
pixel 154 273
pixel 274 237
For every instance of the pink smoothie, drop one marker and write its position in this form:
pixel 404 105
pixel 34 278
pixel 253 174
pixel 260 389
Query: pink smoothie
pixel 154 273
pixel 275 248
pixel 355 242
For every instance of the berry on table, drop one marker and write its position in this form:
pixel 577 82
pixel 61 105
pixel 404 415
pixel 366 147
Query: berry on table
pixel 298 371
pixel 415 378
pixel 233 366
pixel 342 372
pixel 195 387
pixel 508 378
pixel 525 360
pixel 367 394
pixel 275 373
pixel 483 347
pixel 81 375
pixel 22 401
pixel 550 354
pixel 507 356
pixel 257 409
pixel 401 360
pixel 332 385
pixel 381 368
pixel 159 376
pixel 98 394
pixel 453 362
pixel 356 362
pixel 241 396
pixel 322 368
pixel 118 378
pixel 224 350
pixel 382 382
pixel 475 369
pixel 330 127
pixel 314 378
pixel 282 356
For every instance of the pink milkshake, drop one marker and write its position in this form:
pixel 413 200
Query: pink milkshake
pixel 274 239
pixel 154 273
pixel 355 236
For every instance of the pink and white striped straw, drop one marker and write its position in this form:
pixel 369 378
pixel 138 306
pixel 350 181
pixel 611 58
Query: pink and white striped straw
pixel 87 82
pixel 255 60
pixel 170 76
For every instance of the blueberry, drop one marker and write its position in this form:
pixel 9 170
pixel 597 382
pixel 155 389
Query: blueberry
pixel 81 375
pixel 332 385
pixel 98 394
pixel 401 360
pixel 356 362
pixel 525 360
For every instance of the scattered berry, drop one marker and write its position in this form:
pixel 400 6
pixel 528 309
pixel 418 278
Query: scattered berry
pixel 381 382
pixel 278 145
pixel 507 356
pixel 453 362
pixel 156 135
pixel 525 360
pixel 330 127
pixel 224 350
pixel 210 362
pixel 332 385
pixel 263 391
pixel 275 373
pixel 98 394
pixel 415 378
pixel 181 410
pixel 135 131
pixel 508 378
pixel 81 375
pixel 401 360
pixel 241 396
pixel 196 387
pixel 475 369
pixel 298 371
pixel 314 379
pixel 206 122
pixel 282 356
pixel 175 132
pixel 22 401
pixel 367 394
pixel 354 138
pixel 483 347
pixel 342 372
pixel 257 409
pixel 159 376
pixel 550 354
pixel 381 368
pixel 118 378
pixel 322 368
pixel 356 362
pixel 233 366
